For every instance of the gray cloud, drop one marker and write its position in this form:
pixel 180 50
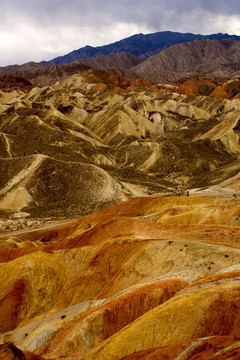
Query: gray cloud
pixel 38 30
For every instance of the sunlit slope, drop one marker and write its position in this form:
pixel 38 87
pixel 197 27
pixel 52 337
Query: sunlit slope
pixel 194 315
pixel 154 276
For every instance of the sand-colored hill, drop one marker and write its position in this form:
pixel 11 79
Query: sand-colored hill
pixel 95 139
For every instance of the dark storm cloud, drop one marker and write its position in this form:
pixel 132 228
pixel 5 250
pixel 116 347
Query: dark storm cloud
pixel 95 11
pixel 36 30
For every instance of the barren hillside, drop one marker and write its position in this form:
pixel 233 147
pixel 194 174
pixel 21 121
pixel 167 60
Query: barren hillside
pixel 95 139
pixel 218 58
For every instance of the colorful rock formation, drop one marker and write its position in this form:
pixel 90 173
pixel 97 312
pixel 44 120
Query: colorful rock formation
pixel 146 278
pixel 119 219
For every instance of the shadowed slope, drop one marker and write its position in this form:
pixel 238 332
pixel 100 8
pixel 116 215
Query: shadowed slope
pixel 10 352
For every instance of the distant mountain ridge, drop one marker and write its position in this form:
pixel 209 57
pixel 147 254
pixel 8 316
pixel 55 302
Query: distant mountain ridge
pixel 140 45
pixel 207 57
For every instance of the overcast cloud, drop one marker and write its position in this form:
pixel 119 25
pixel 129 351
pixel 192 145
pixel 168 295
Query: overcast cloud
pixel 36 30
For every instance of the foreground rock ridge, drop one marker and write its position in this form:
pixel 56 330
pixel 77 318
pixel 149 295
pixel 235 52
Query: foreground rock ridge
pixel 119 219
pixel 149 278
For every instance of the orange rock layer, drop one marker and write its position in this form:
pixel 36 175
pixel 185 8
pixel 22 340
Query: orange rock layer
pixel 149 278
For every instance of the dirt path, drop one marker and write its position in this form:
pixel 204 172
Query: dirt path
pixel 37 228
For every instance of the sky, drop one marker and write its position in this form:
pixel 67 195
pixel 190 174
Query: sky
pixel 37 30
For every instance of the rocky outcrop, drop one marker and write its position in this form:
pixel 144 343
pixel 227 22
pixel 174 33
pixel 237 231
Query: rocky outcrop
pixel 29 75
pixel 11 82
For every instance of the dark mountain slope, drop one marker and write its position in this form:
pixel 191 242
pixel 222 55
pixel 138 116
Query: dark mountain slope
pixel 214 58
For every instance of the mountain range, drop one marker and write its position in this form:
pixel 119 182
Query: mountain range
pixel 213 55
pixel 140 45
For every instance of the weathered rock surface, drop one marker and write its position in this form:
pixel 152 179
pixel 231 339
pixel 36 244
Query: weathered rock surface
pixel 220 347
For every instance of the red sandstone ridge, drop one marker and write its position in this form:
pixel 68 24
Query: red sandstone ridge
pixel 197 85
pixel 115 314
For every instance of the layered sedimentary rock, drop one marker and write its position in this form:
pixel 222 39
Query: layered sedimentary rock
pixel 149 277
